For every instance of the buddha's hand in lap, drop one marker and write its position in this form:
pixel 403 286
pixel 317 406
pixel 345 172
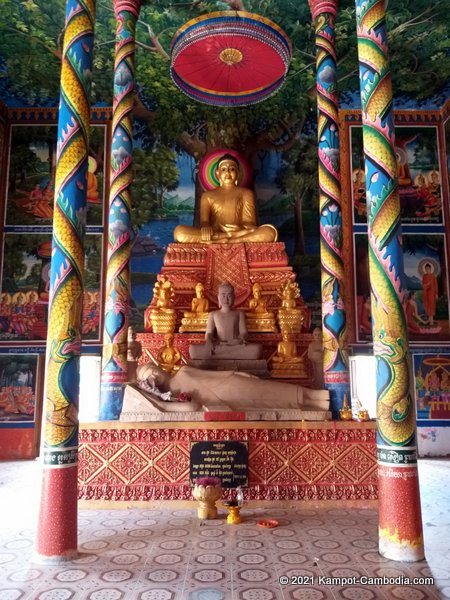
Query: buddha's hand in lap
pixel 206 234
pixel 237 342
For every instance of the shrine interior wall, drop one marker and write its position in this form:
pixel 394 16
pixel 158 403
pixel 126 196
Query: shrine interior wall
pixel 27 155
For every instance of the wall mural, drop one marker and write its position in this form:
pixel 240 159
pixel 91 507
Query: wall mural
pixel 31 175
pixel 28 234
pixel 18 387
pixel 432 384
pixel 419 177
pixel 25 287
pixel 426 302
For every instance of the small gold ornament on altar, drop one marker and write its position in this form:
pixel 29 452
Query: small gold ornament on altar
pixel 363 413
pixel 234 512
pixel 345 412
pixel 163 317
pixel 289 315
pixel 197 318
pixel 286 363
pixel 207 490
pixel 169 358
pixel 258 318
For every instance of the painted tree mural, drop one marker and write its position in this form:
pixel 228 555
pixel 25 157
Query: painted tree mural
pixel 30 50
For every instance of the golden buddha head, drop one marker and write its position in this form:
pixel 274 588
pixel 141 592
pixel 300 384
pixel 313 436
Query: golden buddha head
pixel 168 339
pixel 256 290
pixel 227 170
pixel 199 290
pixel 286 334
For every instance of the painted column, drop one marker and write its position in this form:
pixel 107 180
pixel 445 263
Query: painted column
pixel 114 360
pixel 400 523
pixel 332 270
pixel 57 524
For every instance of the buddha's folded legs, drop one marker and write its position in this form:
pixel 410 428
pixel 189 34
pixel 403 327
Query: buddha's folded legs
pixel 191 235
pixel 238 352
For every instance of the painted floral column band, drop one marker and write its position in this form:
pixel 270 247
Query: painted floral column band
pixel 114 362
pixel 400 525
pixel 57 533
pixel 333 309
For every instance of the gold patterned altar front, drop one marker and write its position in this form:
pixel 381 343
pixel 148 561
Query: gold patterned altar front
pixel 332 462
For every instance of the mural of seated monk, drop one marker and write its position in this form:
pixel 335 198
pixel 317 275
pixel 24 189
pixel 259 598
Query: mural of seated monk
pixel 226 391
pixel 226 332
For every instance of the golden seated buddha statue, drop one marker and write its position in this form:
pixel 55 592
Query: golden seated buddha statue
pixel 160 316
pixel 286 362
pixel 290 317
pixel 258 318
pixel 169 358
pixel 227 213
pixel 197 318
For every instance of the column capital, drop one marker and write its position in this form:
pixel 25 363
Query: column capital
pixel 133 6
pixel 323 6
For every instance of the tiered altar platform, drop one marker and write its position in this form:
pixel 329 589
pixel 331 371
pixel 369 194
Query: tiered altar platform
pixel 331 462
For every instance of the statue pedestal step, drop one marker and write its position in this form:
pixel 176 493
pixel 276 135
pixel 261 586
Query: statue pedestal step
pixel 254 367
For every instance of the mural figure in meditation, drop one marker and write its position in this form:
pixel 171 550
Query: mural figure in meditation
pixel 227 213
pixel 226 332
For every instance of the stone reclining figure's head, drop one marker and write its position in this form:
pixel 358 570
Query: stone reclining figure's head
pixel 227 213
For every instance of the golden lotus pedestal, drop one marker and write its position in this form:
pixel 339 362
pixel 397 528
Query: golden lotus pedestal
pixel 194 324
pixel 291 319
pixel 295 370
pixel 160 320
pixel 261 324
pixel 207 497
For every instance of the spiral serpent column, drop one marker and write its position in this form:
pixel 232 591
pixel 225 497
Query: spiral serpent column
pixel 114 360
pixel 57 529
pixel 333 309
pixel 400 525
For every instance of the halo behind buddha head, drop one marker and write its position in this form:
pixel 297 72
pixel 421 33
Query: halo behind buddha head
pixel 208 166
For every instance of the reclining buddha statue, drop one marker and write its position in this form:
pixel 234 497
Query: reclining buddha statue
pixel 227 213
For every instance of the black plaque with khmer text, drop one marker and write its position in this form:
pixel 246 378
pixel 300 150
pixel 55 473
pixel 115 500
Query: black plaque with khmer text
pixel 227 460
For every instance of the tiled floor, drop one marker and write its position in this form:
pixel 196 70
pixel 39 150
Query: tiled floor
pixel 164 554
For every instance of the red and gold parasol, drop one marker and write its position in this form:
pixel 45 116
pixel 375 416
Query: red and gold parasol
pixel 230 58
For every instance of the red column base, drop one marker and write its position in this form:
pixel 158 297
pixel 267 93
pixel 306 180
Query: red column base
pixel 57 524
pixel 400 520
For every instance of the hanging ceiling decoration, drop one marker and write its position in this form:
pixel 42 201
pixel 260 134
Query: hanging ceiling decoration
pixel 230 58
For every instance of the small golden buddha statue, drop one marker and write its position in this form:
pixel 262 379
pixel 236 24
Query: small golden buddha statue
pixel 227 213
pixel 197 318
pixel 289 315
pixel 286 363
pixel 169 358
pixel 345 412
pixel 160 312
pixel 258 317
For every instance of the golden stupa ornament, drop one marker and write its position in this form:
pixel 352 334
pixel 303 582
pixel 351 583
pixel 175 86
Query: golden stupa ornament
pixel 345 412
pixel 363 413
